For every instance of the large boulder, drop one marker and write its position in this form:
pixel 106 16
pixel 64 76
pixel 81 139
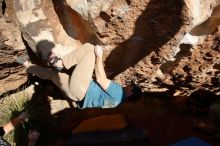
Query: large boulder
pixel 50 26
pixel 148 41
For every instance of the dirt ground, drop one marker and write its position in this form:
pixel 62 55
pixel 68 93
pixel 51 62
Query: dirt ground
pixel 163 120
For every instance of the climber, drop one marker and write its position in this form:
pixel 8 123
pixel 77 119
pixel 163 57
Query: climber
pixel 79 85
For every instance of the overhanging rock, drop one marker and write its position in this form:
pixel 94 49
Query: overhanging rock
pixel 141 36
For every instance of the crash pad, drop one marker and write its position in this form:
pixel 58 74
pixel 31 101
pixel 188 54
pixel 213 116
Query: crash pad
pixel 191 141
pixel 102 123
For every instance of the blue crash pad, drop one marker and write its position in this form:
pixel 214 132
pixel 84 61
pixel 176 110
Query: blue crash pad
pixel 192 141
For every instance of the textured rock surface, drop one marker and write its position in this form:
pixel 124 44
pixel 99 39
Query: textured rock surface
pixel 153 42
pixel 145 39
pixel 175 66
pixel 12 75
pixel 170 47
pixel 48 26
pixel 89 10
pixel 200 10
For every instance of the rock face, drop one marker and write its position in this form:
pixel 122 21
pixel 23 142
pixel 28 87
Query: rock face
pixel 89 10
pixel 12 75
pixel 155 43
pixel 42 28
pixel 167 67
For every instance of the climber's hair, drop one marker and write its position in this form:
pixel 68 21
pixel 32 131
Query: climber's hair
pixel 137 92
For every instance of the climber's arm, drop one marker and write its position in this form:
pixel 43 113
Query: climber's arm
pixel 99 69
